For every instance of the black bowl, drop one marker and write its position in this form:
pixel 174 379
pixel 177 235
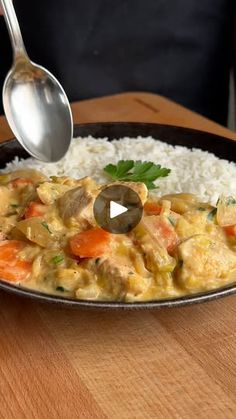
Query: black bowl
pixel 222 147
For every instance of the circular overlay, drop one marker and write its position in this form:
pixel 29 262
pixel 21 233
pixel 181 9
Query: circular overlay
pixel 118 209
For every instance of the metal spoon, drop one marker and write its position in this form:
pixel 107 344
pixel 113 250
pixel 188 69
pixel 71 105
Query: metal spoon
pixel 35 104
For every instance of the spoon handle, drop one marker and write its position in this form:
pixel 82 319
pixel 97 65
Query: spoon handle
pixel 13 29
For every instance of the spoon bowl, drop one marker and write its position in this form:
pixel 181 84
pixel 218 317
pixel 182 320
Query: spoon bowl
pixel 35 104
pixel 38 111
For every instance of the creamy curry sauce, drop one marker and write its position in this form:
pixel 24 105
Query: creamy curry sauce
pixel 50 242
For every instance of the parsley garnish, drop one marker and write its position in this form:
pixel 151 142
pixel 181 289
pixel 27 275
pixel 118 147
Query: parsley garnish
pixel 57 259
pixel 136 171
pixel 45 225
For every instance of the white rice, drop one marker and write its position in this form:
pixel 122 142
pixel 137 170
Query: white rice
pixel 194 171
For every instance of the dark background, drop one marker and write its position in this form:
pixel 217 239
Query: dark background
pixel 181 49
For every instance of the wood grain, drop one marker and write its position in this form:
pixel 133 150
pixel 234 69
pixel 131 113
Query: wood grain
pixel 64 363
pixel 135 107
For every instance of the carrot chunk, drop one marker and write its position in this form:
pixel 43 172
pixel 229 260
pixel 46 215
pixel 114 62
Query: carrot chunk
pixel 35 209
pixel 12 268
pixel 230 230
pixel 167 234
pixel 20 182
pixel 152 208
pixel 90 243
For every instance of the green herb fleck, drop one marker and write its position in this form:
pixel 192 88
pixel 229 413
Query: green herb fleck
pixel 60 289
pixel 14 205
pixel 45 225
pixel 97 261
pixel 136 171
pixel 171 220
pixel 201 209
pixel 230 201
pixel 57 259
pixel 212 214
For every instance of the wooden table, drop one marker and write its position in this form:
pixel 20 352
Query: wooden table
pixel 64 363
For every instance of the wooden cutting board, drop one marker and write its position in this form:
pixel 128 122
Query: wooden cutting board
pixel 65 363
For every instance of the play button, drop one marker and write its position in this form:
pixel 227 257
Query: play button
pixel 118 209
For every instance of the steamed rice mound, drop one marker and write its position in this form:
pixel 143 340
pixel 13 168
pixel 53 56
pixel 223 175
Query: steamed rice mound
pixel 193 171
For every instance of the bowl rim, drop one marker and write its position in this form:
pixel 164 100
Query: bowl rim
pixel 189 299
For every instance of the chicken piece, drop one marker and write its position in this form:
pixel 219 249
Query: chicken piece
pixel 118 280
pixel 33 175
pixel 113 278
pixel 120 271
pixel 139 187
pixel 226 211
pixel 7 223
pixel 70 279
pixel 197 222
pixel 204 263
pixel 87 286
pixel 49 192
pixel 5 199
pixel 89 292
pixel 77 202
pixel 191 223
pixel 73 183
pixel 63 274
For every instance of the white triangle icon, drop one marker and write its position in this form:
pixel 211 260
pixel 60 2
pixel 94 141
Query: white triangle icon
pixel 116 209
